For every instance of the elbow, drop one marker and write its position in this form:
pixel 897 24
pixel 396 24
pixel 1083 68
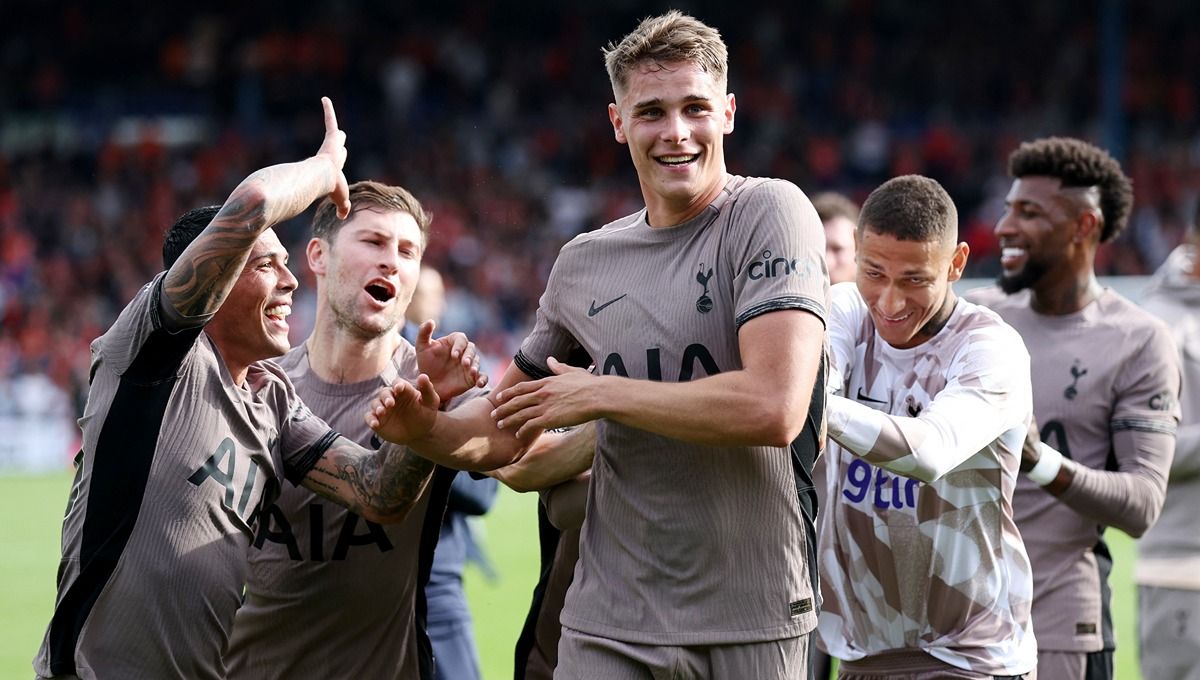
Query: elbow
pixel 387 515
pixel 781 426
pixel 1143 521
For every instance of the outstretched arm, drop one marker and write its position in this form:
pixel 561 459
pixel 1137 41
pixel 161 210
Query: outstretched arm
pixel 554 458
pixel 465 438
pixel 765 403
pixel 198 282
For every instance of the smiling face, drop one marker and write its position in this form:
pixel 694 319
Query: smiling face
pixel 367 275
pixel 906 285
pixel 1035 231
pixel 674 118
pixel 252 325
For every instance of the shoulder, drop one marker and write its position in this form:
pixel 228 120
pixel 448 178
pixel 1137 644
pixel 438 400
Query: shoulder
pixel 1121 311
pixel 766 193
pixel 1140 328
pixel 994 298
pixel 986 322
pixel 613 230
pixel 845 296
pixel 294 362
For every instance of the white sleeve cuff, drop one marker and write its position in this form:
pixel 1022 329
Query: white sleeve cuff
pixel 1047 466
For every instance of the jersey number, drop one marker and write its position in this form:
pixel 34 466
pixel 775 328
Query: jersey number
pixel 1053 427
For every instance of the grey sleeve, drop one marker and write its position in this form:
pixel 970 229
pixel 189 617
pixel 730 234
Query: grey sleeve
pixel 1131 497
pixel 1186 464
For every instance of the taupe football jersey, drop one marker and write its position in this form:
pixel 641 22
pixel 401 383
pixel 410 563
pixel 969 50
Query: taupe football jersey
pixel 176 466
pixel 1107 368
pixel 687 544
pixel 330 594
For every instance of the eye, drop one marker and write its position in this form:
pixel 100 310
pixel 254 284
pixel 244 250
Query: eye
pixel 650 113
pixel 696 108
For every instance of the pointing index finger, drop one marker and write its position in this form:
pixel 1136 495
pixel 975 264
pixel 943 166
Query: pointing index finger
pixel 330 117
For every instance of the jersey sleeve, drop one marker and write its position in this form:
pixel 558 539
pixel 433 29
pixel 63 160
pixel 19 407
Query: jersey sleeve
pixel 1144 420
pixel 303 436
pixel 143 345
pixel 987 393
pixel 548 338
pixel 777 253
pixel 846 316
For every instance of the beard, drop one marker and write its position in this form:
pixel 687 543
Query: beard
pixel 1031 273
pixel 345 319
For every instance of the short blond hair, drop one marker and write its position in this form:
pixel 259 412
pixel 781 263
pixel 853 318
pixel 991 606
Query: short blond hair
pixel 670 38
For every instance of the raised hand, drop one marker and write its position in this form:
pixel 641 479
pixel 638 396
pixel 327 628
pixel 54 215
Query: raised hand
pixel 405 411
pixel 451 362
pixel 333 147
pixel 566 398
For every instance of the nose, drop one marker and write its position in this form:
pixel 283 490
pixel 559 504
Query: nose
pixel 890 302
pixel 1006 225
pixel 287 280
pixel 389 261
pixel 675 129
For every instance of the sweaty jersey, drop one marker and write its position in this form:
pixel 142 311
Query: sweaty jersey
pixel 687 544
pixel 330 594
pixel 176 465
pixel 1106 370
pixel 934 565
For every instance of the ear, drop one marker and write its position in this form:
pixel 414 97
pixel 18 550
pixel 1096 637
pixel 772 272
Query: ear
pixel 1087 226
pixel 316 251
pixel 730 109
pixel 958 261
pixel 614 117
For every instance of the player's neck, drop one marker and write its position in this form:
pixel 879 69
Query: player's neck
pixel 339 357
pixel 663 213
pixel 1065 294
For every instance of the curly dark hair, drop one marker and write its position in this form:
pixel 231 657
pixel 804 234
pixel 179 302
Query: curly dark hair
pixel 910 208
pixel 1079 164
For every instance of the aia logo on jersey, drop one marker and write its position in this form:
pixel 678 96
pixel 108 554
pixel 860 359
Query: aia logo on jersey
pixel 704 303
pixel 1077 372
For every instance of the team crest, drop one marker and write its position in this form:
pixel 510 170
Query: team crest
pixel 1077 372
pixel 704 303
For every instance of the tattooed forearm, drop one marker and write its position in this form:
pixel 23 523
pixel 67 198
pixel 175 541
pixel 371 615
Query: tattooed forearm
pixel 199 281
pixel 380 485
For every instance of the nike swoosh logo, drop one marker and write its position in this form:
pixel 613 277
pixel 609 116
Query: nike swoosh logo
pixel 593 310
pixel 863 397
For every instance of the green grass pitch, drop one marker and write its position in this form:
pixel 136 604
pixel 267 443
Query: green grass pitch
pixel 32 508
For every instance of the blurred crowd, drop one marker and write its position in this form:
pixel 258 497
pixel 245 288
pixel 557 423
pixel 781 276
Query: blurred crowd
pixel 115 118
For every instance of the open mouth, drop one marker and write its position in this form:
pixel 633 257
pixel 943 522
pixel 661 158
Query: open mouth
pixel 382 292
pixel 1011 256
pixel 278 313
pixel 677 160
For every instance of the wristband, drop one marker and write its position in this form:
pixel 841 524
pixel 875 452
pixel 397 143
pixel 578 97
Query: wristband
pixel 1047 467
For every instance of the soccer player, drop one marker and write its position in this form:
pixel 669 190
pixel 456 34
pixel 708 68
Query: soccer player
pixel 923 571
pixel 704 314
pixel 1168 566
pixel 839 216
pixel 329 593
pixel 188 434
pixel 1105 385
